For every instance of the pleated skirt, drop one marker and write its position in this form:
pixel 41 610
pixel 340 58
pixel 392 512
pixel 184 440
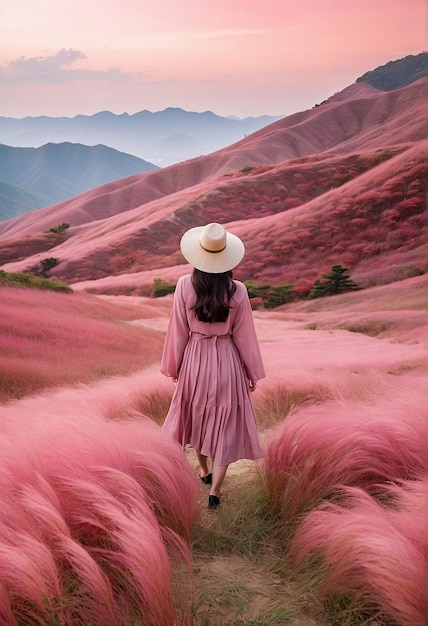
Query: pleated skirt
pixel 211 408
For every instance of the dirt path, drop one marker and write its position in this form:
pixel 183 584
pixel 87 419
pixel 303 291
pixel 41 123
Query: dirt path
pixel 235 558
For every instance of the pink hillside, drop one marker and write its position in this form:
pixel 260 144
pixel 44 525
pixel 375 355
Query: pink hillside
pixel 94 516
pixel 372 553
pixel 52 339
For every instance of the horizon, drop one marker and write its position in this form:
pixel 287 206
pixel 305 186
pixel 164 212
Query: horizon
pixel 264 60
pixel 141 111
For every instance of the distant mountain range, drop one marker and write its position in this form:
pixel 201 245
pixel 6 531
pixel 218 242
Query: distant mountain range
pixel 31 178
pixel 341 183
pixel 163 137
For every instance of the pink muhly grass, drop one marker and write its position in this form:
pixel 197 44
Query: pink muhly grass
pixel 108 506
pixel 29 576
pixel 119 535
pixel 43 507
pixel 6 610
pixel 372 554
pixel 318 449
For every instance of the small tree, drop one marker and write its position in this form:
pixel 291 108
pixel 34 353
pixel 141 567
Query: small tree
pixel 337 280
pixel 318 290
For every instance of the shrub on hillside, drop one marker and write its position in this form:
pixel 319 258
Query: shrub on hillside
pixel 59 228
pixel 270 296
pixel 48 264
pixel 256 290
pixel 162 287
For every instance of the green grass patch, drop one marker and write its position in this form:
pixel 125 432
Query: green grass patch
pixel 22 279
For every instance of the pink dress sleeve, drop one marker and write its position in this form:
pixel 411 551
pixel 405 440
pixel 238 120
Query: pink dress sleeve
pixel 177 335
pixel 245 339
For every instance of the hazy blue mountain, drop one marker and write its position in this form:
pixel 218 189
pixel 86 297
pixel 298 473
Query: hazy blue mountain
pixel 31 178
pixel 152 136
pixel 15 201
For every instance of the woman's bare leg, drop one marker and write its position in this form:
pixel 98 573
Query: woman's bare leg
pixel 219 472
pixel 203 464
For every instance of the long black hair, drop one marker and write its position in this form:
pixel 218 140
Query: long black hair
pixel 213 294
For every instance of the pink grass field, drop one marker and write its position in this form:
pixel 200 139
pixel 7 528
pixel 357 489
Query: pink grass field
pixel 49 339
pixel 97 505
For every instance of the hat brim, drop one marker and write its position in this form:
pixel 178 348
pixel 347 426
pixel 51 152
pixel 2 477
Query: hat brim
pixel 211 262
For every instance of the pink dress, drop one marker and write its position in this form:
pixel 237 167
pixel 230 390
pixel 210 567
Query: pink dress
pixel 211 408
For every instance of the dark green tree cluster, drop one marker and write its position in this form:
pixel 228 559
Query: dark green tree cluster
pixel 337 280
pixel 396 74
pixel 272 296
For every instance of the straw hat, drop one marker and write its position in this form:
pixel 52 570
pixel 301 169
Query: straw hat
pixel 212 249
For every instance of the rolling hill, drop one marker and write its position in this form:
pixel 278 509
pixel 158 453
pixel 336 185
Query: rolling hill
pixel 32 178
pixel 340 183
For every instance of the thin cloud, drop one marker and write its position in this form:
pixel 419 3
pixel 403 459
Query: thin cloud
pixel 218 33
pixel 55 69
pixel 231 32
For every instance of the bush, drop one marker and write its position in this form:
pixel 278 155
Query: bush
pixel 48 264
pixel 270 296
pixel 256 291
pixel 162 287
pixel 58 229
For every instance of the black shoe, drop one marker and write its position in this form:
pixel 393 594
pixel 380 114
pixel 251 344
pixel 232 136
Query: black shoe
pixel 207 480
pixel 213 502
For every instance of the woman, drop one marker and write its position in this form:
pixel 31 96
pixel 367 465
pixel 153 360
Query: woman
pixel 211 352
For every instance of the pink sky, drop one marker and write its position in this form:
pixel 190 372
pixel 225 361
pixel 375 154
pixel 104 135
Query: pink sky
pixel 233 57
